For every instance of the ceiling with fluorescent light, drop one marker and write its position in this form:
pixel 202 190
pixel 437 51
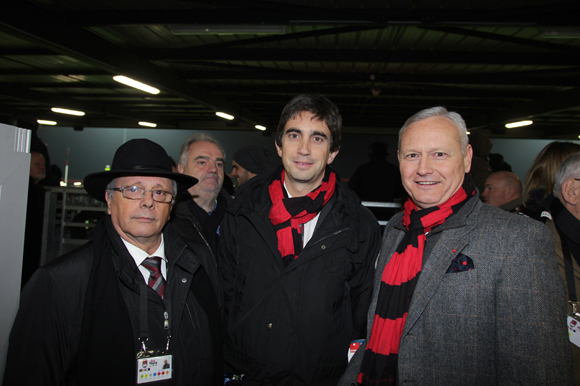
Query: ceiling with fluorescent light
pixel 380 61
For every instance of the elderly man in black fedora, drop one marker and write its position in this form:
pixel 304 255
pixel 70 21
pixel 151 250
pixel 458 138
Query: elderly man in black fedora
pixel 116 309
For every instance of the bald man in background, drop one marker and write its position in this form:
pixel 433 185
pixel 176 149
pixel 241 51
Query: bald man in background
pixel 503 190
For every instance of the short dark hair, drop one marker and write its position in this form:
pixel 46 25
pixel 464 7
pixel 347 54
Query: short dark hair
pixel 322 109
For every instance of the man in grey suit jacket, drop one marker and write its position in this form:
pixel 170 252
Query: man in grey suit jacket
pixel 464 293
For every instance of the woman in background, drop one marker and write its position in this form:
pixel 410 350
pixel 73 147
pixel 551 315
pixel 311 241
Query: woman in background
pixel 539 180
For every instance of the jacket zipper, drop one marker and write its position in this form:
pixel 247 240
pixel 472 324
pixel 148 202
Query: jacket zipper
pixel 309 245
pixel 204 240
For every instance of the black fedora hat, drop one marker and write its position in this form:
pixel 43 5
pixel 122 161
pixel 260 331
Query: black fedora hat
pixel 137 157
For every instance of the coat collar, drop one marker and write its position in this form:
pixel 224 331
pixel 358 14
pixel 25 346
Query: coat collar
pixel 253 201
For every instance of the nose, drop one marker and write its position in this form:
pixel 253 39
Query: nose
pixel 212 167
pixel 147 200
pixel 424 167
pixel 304 148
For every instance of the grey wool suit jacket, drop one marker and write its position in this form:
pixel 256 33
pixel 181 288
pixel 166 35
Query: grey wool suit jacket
pixel 501 323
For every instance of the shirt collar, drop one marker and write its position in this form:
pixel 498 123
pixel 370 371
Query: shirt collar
pixel 139 255
pixel 212 209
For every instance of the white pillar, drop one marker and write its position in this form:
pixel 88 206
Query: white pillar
pixel 14 172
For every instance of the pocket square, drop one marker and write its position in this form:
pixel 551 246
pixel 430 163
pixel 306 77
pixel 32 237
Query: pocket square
pixel 461 263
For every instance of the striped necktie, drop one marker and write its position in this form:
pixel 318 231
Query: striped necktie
pixel 156 280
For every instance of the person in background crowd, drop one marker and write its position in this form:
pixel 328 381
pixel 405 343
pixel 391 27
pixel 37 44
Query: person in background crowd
pixel 564 223
pixel 137 286
pixel 464 293
pixel 503 190
pixel 198 215
pixel 498 164
pixel 539 180
pixel 377 180
pixel 480 168
pixel 297 257
pixel 248 162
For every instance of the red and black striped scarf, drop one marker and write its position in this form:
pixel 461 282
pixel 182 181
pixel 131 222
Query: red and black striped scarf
pixel 400 276
pixel 287 214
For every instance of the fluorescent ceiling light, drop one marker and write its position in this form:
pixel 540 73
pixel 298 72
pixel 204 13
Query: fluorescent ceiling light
pixel 224 115
pixel 240 29
pixel 135 84
pixel 260 127
pixel 77 183
pixel 518 124
pixel 561 32
pixel 148 124
pixel 43 122
pixel 469 132
pixel 67 111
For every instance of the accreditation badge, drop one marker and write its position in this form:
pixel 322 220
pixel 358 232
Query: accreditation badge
pixel 154 365
pixel 574 330
pixel 354 346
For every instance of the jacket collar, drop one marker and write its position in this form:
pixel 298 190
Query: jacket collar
pixel 253 199
pixel 125 265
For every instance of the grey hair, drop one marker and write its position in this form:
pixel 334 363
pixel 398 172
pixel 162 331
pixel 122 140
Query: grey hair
pixel 113 185
pixel 202 137
pixel 439 111
pixel 570 168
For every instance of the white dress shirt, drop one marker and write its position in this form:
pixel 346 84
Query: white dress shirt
pixel 140 255
pixel 308 226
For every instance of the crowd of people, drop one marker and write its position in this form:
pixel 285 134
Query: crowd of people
pixel 183 284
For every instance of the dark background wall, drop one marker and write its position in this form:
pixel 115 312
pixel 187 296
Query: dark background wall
pixel 93 148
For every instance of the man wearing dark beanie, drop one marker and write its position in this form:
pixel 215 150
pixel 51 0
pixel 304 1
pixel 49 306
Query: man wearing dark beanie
pixel 248 162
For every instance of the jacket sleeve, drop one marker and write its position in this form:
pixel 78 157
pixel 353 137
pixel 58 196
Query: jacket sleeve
pixel 43 338
pixel 531 341
pixel 361 283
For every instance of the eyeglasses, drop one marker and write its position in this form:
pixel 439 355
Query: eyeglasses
pixel 137 193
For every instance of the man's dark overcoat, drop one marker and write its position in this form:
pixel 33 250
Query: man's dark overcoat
pixel 293 325
pixel 75 327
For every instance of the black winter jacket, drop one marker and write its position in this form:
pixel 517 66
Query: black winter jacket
pixel 189 227
pixel 293 325
pixel 45 338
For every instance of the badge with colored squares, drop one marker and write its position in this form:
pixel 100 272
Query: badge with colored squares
pixel 154 369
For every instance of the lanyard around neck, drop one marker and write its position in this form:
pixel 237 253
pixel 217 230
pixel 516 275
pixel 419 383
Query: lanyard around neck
pixel 143 316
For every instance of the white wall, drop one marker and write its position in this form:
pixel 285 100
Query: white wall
pixel 520 153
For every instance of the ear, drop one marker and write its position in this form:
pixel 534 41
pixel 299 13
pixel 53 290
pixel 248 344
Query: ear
pixel 109 202
pixel 509 193
pixel 331 157
pixel 570 192
pixel 279 150
pixel 467 158
pixel 179 168
pixel 398 156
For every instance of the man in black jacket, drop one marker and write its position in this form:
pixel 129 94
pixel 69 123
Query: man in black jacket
pixel 198 213
pixel 296 256
pixel 114 310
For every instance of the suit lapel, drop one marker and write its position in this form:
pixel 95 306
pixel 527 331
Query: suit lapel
pixel 450 244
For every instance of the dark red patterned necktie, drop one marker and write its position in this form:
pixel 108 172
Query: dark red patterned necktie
pixel 156 280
